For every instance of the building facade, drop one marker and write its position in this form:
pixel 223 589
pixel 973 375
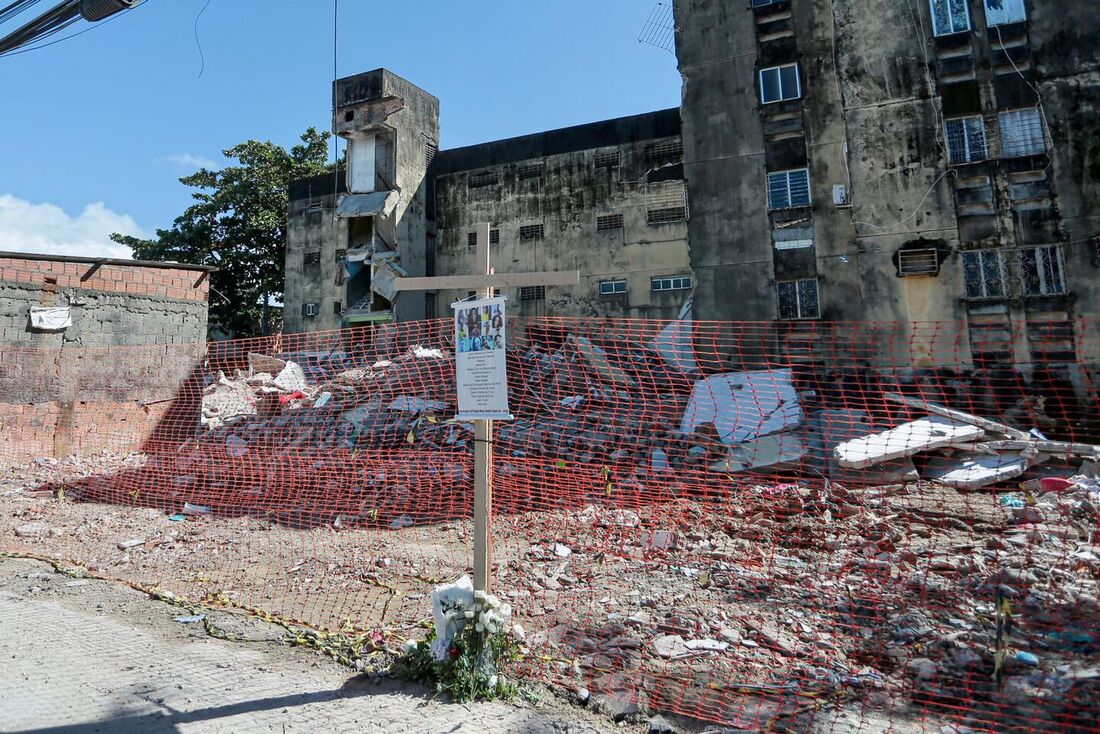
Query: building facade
pixel 607 199
pixel 921 161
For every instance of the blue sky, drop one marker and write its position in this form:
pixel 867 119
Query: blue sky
pixel 97 129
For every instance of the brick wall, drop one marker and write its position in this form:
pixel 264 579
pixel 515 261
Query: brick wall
pixel 113 378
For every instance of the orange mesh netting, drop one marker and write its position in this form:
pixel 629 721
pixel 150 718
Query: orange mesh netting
pixel 783 527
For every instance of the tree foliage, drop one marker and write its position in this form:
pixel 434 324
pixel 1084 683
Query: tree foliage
pixel 238 224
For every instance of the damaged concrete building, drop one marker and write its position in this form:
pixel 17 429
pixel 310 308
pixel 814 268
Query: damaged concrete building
pixel 607 199
pixel 927 161
pixel 847 161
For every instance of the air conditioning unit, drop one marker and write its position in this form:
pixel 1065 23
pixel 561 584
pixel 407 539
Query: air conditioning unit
pixel 841 195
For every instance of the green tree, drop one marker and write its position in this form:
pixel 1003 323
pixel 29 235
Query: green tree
pixel 238 224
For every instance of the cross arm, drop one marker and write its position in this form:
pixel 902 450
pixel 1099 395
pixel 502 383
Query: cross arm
pixel 501 280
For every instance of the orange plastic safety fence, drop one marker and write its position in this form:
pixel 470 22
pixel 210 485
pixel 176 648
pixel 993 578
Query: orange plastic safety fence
pixel 771 526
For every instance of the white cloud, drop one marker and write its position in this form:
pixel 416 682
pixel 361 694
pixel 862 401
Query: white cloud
pixel 191 161
pixel 48 229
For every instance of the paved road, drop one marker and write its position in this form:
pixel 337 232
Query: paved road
pixel 88 656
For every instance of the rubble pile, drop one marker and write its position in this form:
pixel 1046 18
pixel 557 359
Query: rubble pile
pixel 761 610
pixel 628 407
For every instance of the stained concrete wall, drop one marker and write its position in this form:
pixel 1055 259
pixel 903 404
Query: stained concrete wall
pixel 561 181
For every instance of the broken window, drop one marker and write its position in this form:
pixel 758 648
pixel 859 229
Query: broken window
pixel 608 158
pixel 966 139
pixel 950 16
pixel 1000 12
pixel 1022 133
pixel 480 179
pixel 530 232
pixel 779 83
pixel 918 262
pixel 983 273
pixel 612 287
pixel 609 222
pixel 788 189
pixel 798 299
pixel 532 293
pixel 1041 271
pixel 673 283
pixel 793 238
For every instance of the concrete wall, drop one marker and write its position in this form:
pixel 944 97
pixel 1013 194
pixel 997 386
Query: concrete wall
pixel 113 378
pixel 876 89
pixel 560 180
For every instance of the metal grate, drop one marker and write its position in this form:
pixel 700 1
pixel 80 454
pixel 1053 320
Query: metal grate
pixel 665 149
pixel 480 179
pixel 531 232
pixel 798 299
pixel 918 262
pixel 532 293
pixel 1022 133
pixel 608 158
pixel 471 239
pixel 430 150
pixel 666 215
pixel 966 139
pixel 531 170
pixel 608 222
pixel 660 28
pixel 789 189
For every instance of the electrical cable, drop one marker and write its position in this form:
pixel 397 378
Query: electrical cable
pixel 198 45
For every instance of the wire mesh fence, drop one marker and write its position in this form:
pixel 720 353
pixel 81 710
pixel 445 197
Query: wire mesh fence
pixel 785 527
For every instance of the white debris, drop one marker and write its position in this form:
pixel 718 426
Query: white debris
pixel 774 450
pixel 743 406
pixel 973 471
pixel 907 439
pixel 408 404
pixel 291 379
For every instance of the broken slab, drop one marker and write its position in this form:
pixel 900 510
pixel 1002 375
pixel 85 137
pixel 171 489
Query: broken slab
pixel 743 406
pixel 908 439
pixel 957 415
pixel 675 343
pixel 260 363
pixel 828 428
pixel 290 379
pixel 974 471
pixel 767 451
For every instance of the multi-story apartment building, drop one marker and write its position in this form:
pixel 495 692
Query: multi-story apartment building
pixel 909 160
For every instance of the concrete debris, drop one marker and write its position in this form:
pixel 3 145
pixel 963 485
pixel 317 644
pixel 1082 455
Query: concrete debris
pixel 291 379
pixel 780 449
pixel 908 439
pixel 974 471
pixel 743 406
pixel 965 452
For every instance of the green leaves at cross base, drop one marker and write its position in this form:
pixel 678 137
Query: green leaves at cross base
pixel 238 224
pixel 460 676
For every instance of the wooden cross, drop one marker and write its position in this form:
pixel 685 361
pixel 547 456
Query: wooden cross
pixel 485 283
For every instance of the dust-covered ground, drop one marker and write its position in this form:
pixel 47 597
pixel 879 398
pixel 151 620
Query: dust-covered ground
pixel 81 655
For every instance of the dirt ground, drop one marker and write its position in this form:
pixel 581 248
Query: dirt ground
pixel 81 655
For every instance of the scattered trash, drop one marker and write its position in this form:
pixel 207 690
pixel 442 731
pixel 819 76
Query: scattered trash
pixel 1027 658
pixel 191 619
pixel 190 509
pixel 179 517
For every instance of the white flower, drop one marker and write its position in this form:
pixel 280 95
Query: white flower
pixel 479 627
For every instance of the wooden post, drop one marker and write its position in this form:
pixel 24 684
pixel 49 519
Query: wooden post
pixel 483 455
pixel 485 281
